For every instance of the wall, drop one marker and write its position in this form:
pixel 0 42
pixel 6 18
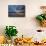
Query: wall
pixel 26 25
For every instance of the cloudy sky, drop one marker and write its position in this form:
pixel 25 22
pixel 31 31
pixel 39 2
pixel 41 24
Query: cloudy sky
pixel 16 8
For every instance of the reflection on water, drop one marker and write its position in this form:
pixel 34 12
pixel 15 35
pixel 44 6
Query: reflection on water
pixel 16 14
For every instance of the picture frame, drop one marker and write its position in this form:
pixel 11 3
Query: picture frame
pixel 16 10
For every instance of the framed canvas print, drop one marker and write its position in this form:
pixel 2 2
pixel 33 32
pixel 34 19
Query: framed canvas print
pixel 16 10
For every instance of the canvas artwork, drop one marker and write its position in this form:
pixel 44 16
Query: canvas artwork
pixel 16 10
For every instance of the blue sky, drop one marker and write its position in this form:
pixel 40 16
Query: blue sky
pixel 15 8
